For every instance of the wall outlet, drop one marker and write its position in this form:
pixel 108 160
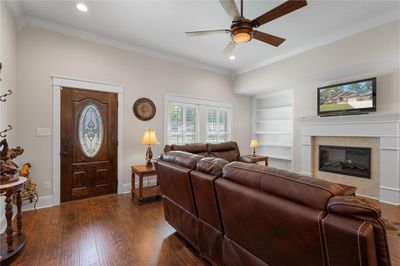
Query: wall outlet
pixel 46 184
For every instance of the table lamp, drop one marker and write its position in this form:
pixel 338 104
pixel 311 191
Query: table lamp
pixel 149 139
pixel 254 144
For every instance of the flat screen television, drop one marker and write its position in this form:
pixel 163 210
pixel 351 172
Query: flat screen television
pixel 356 97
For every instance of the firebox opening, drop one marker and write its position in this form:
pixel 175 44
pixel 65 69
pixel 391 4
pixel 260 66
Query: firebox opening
pixel 353 161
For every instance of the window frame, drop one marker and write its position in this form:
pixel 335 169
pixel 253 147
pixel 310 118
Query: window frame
pixel 201 114
pixel 183 105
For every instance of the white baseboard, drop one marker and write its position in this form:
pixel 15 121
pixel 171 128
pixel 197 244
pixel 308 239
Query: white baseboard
pixel 43 202
pixel 375 198
pixel 126 188
pixel 369 197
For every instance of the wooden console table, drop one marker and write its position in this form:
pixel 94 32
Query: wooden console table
pixel 144 192
pixel 12 242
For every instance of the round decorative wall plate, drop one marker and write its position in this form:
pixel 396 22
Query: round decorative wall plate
pixel 144 109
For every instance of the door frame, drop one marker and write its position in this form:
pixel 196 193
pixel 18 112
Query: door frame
pixel 57 83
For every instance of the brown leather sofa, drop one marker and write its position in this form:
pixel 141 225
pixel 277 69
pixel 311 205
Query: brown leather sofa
pixel 226 150
pixel 247 214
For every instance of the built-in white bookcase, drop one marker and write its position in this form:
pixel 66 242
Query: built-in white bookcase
pixel 273 127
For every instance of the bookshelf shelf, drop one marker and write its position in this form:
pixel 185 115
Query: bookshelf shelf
pixel 273 126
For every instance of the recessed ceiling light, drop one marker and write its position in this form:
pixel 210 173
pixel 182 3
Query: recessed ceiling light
pixel 81 7
pixel 232 57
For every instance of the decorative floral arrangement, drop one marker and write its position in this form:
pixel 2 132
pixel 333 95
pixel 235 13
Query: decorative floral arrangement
pixel 30 185
pixel 8 169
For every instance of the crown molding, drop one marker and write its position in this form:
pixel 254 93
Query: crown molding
pixel 333 38
pixel 73 32
pixel 17 12
pixel 23 20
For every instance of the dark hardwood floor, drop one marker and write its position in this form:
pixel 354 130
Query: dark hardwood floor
pixel 106 230
pixel 115 230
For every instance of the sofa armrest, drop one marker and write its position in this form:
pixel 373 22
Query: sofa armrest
pixel 247 159
pixel 353 207
pixel 368 213
pixel 212 166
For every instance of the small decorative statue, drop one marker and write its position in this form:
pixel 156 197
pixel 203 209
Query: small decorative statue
pixel 25 170
pixel 8 169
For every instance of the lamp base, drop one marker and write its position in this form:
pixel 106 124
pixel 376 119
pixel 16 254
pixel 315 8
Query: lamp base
pixel 254 152
pixel 149 163
pixel 149 156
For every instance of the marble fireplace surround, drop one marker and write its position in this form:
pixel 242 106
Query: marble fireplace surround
pixel 385 126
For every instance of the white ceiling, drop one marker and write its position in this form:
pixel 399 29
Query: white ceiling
pixel 160 26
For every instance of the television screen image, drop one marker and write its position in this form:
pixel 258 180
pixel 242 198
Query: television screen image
pixel 352 96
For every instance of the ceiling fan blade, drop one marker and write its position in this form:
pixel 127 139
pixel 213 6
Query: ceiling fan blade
pixel 229 48
pixel 206 32
pixel 268 38
pixel 279 11
pixel 230 8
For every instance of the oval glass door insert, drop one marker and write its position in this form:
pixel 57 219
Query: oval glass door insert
pixel 91 130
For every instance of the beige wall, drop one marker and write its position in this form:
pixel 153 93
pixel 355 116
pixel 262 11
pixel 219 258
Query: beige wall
pixel 375 52
pixel 8 55
pixel 8 81
pixel 42 54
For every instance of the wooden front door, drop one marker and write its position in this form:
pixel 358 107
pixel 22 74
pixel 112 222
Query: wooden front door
pixel 89 133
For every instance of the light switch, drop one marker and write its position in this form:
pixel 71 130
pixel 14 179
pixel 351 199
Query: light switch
pixel 43 132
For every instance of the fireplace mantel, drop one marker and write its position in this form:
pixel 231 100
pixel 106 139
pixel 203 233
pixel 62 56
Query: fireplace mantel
pixel 385 126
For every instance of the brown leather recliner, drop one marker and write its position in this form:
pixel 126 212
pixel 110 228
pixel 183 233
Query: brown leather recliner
pixel 187 183
pixel 210 226
pixel 287 219
pixel 179 207
pixel 255 215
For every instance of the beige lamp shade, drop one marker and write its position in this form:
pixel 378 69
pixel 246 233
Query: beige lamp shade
pixel 150 137
pixel 254 143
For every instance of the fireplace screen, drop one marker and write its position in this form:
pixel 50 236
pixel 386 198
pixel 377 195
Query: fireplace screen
pixel 352 161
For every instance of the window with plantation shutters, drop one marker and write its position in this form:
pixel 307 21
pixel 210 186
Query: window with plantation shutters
pixel 191 120
pixel 217 125
pixel 182 123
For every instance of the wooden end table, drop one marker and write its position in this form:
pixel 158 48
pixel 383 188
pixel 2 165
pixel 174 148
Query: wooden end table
pixel 11 241
pixel 258 158
pixel 143 192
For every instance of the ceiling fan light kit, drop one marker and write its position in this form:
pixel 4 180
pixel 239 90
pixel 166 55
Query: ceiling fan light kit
pixel 243 30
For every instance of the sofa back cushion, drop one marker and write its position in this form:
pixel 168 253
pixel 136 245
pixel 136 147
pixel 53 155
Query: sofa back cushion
pixel 225 150
pixel 308 191
pixel 184 159
pixel 196 148
pixel 273 229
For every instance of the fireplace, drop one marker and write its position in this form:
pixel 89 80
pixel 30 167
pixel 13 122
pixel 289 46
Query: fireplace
pixel 353 161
